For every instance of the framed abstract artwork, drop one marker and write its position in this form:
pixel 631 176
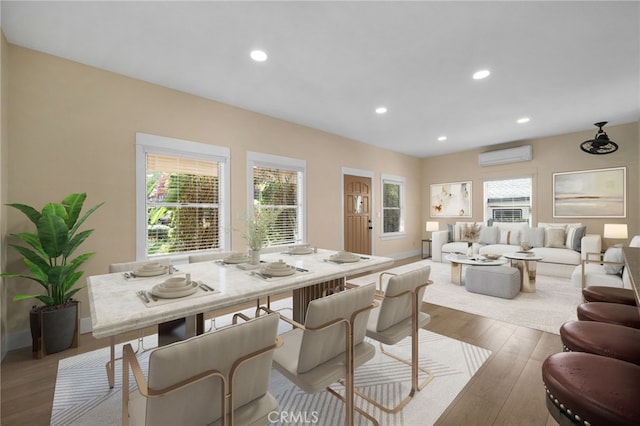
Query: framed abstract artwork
pixel 590 193
pixel 451 199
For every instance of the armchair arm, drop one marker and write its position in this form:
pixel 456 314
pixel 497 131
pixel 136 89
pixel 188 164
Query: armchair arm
pixel 590 243
pixel 438 239
pixel 596 258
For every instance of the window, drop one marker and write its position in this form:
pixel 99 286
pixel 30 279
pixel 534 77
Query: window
pixel 278 184
pixel 508 200
pixel 181 188
pixel 393 206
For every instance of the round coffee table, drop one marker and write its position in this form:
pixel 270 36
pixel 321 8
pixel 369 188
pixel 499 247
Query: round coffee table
pixel 458 260
pixel 526 263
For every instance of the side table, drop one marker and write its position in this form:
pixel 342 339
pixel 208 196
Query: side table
pixel 526 263
pixel 428 240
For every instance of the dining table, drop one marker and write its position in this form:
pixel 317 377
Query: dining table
pixel 123 302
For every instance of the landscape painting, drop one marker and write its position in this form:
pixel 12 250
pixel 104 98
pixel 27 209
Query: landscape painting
pixel 451 199
pixel 590 193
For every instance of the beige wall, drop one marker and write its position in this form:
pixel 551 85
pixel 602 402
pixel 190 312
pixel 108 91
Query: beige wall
pixel 550 155
pixel 3 187
pixel 72 128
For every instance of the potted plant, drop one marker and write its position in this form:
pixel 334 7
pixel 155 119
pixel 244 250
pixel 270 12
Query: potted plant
pixel 257 231
pixel 47 253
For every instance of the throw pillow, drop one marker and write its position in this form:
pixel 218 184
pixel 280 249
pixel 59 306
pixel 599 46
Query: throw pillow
pixel 613 254
pixel 555 237
pixel 489 235
pixel 574 237
pixel 505 236
pixel 533 236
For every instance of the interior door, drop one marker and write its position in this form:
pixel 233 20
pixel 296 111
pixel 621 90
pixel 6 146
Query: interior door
pixel 357 214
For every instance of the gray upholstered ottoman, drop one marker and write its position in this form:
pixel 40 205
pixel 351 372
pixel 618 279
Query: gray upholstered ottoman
pixel 498 281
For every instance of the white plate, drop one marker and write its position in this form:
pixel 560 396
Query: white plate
pixel 173 292
pixel 236 259
pixel 343 257
pixel 142 272
pixel 301 250
pixel 278 272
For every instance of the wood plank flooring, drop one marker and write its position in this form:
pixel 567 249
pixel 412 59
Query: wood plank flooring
pixel 507 390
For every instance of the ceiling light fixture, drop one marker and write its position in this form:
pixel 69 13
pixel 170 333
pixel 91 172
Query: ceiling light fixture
pixel 600 144
pixel 258 55
pixel 381 110
pixel 442 138
pixel 523 120
pixel 479 75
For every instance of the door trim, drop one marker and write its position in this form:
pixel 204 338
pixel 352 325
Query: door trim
pixel 374 214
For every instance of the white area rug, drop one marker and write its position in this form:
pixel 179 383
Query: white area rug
pixel 554 302
pixel 82 395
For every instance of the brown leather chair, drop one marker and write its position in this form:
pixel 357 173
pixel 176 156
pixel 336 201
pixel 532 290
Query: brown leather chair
pixel 591 389
pixel 601 338
pixel 600 293
pixel 613 313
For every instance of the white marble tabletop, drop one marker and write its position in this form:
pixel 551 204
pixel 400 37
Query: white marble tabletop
pixel 116 308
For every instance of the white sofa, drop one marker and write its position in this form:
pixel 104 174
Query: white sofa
pixel 604 269
pixel 562 246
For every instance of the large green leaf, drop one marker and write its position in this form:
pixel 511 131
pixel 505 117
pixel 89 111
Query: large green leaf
pixel 73 204
pixel 30 212
pixel 32 256
pixel 76 241
pixel 83 218
pixel 56 209
pixel 53 234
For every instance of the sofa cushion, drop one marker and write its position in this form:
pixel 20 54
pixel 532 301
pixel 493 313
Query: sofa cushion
pixel 613 254
pixel 489 235
pixel 595 275
pixel 515 231
pixel 555 237
pixel 574 237
pixel 558 255
pixel 533 236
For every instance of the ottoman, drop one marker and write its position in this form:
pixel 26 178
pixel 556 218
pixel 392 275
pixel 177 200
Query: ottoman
pixel 497 281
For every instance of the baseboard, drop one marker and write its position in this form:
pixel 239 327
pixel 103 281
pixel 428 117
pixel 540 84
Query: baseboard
pixel 22 339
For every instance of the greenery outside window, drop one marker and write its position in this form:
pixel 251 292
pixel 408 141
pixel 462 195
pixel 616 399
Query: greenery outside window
pixel 181 188
pixel 393 206
pixel 278 184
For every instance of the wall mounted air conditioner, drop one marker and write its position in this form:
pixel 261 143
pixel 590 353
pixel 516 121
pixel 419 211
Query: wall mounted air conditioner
pixel 504 156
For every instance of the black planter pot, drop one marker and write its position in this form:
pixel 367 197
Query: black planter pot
pixel 54 328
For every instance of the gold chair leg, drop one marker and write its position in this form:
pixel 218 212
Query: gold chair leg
pixel 358 409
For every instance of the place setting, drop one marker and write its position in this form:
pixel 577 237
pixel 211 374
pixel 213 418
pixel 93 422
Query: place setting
pixel 148 270
pixel 277 269
pixel 300 250
pixel 345 257
pixel 174 288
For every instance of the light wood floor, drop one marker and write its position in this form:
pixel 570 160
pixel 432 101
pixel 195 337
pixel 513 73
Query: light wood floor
pixel 507 390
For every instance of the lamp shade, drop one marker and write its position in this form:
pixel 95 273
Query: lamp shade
pixel 432 226
pixel 615 230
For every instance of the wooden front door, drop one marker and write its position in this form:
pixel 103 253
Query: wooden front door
pixel 357 214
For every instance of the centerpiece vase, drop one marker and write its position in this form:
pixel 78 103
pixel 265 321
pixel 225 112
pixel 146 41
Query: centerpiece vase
pixel 255 256
pixel 469 248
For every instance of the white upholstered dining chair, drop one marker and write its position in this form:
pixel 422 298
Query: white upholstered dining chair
pixel 330 345
pixel 397 317
pixel 215 378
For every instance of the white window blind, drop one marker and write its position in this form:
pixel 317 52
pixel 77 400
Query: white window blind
pixel 181 193
pixel 278 184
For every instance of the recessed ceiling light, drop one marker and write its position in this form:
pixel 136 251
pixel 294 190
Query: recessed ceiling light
pixel 479 75
pixel 258 55
pixel 442 138
pixel 381 110
pixel 523 120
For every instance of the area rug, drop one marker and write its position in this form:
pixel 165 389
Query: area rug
pixel 554 302
pixel 82 396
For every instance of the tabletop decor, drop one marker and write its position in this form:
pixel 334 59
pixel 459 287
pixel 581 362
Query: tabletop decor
pixel 257 229
pixel 48 256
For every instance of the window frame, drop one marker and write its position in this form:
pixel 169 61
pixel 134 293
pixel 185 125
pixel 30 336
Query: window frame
pixel 401 182
pixel 284 163
pixel 485 199
pixel 148 143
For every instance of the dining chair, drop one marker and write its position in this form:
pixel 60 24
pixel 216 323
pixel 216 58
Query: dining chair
pixel 397 317
pixel 330 345
pixel 220 377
